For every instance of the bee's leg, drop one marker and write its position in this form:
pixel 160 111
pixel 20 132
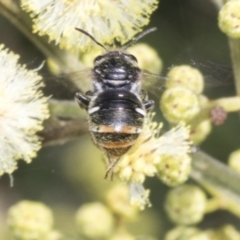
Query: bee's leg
pixel 112 163
pixel 144 94
pixel 149 105
pixel 82 100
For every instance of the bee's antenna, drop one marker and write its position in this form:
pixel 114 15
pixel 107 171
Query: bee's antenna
pixel 139 37
pixel 89 35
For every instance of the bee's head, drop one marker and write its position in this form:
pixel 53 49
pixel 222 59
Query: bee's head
pixel 116 68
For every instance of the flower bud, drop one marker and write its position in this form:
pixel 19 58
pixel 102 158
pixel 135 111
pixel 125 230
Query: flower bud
pixel 174 169
pixel 229 19
pixel 200 131
pixel 234 160
pixel 186 204
pixel 94 221
pixel 179 104
pixel 118 201
pixel 187 77
pixel 30 220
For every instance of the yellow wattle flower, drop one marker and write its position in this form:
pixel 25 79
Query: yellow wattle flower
pixel 23 108
pixel 106 20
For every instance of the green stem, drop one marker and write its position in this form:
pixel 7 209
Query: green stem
pixel 65 109
pixel 58 131
pixel 213 204
pixel 234 45
pixel 229 104
pixel 67 122
pixel 235 56
pixel 218 179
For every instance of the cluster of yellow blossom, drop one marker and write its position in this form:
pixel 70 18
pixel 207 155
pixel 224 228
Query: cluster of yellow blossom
pixel 229 18
pixel 183 100
pixel 105 20
pixel 163 155
pixel 23 109
pixel 28 220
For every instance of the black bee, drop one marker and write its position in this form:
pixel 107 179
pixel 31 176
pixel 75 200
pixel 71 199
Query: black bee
pixel 116 105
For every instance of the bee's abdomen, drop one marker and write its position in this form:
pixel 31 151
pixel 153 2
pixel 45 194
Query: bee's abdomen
pixel 115 143
pixel 115 121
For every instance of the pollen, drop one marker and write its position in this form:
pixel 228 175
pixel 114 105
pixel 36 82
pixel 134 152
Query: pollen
pixel 105 20
pixel 23 108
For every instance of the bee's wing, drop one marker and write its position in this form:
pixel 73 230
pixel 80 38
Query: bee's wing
pixel 153 83
pixel 215 74
pixel 80 81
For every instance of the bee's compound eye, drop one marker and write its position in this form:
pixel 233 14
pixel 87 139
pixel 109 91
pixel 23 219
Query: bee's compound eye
pixel 98 59
pixel 131 57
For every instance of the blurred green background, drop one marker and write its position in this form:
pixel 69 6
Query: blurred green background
pixel 66 176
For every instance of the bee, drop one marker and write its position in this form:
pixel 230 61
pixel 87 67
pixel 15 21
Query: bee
pixel 117 105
